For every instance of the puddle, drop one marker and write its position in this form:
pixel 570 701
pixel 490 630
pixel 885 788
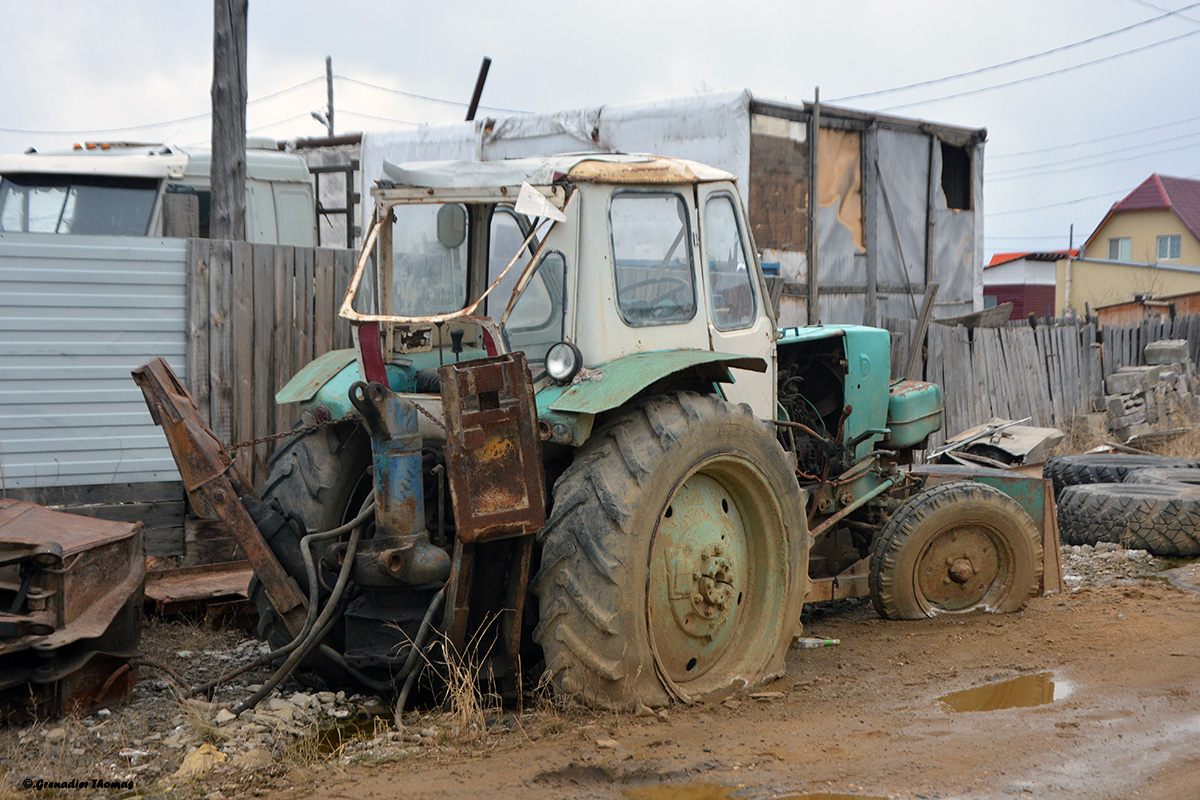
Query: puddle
pixel 680 791
pixel 331 737
pixel 716 791
pixel 1024 692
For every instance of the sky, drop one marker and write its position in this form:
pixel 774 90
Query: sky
pixel 1113 99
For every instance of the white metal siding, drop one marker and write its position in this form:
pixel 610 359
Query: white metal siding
pixel 76 315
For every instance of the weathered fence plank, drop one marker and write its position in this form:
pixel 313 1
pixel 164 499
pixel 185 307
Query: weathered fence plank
pixel 257 314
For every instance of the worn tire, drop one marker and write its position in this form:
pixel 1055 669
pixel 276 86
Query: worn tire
pixel 1171 476
pixel 916 570
pixel 632 555
pixel 320 477
pixel 1160 518
pixel 1085 468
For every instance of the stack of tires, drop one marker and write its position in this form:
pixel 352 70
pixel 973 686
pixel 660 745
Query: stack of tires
pixel 1140 502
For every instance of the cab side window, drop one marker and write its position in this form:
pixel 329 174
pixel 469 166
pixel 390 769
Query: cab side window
pixel 730 281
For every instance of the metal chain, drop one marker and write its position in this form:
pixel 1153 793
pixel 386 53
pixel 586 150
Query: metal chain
pixel 430 417
pixel 233 448
pixel 351 417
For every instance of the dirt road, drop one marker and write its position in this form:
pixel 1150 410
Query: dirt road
pixel 864 718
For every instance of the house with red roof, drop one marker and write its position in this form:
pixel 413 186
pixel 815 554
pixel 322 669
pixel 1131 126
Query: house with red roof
pixel 1025 279
pixel 1147 245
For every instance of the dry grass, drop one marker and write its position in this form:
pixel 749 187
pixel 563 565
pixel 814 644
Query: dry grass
pixel 1081 436
pixel 1183 445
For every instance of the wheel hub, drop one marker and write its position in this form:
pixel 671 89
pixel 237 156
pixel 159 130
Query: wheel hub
pixel 961 570
pixel 960 567
pixel 714 585
pixel 698 574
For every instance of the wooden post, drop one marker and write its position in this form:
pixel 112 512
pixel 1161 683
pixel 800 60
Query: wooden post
pixel 228 170
pixel 813 302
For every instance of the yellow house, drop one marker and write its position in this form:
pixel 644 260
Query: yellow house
pixel 1147 244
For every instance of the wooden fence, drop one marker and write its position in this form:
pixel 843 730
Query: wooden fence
pixel 1051 373
pixel 1123 344
pixel 257 313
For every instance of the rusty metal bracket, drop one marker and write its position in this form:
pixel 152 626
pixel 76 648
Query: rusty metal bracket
pixel 493 451
pixel 497 481
pixel 213 482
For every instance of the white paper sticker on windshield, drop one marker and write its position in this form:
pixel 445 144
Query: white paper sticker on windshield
pixel 533 203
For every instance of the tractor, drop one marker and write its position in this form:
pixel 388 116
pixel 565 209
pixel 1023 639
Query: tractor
pixel 572 437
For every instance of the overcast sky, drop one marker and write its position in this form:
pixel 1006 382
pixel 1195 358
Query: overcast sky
pixel 1061 147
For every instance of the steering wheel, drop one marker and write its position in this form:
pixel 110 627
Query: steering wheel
pixel 681 286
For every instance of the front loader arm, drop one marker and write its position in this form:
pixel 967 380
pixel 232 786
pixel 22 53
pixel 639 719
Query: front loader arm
pixel 213 483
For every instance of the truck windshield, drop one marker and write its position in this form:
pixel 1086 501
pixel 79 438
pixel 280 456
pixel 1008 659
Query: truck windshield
pixel 79 204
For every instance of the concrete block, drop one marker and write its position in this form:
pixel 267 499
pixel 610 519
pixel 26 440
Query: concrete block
pixel 1125 420
pixel 1164 351
pixel 1128 380
pixel 1125 434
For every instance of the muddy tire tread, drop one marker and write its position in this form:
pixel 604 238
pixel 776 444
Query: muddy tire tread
pixel 1163 519
pixel 1085 468
pixel 582 579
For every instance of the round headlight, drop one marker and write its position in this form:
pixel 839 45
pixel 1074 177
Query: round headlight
pixel 563 360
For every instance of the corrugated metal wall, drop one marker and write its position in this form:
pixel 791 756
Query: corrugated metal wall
pixel 76 315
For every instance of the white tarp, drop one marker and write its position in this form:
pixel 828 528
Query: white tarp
pixel 712 129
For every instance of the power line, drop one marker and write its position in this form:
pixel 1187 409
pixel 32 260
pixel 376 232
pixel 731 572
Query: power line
pixel 1020 60
pixel 1039 76
pixel 1067 202
pixel 1091 141
pixel 424 97
pixel 257 128
pixel 376 116
pixel 1025 172
pixel 987 214
pixel 147 126
pixel 1177 12
pixel 1024 238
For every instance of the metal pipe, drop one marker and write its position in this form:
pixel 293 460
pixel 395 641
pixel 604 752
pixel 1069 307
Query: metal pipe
pixel 475 95
pixel 857 504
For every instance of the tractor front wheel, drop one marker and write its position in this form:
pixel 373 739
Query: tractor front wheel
pixel 674 562
pixel 954 548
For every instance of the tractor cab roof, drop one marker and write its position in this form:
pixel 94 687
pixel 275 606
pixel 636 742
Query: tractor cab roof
pixel 549 170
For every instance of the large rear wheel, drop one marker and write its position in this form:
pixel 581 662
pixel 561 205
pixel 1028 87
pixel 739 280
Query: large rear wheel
pixel 674 562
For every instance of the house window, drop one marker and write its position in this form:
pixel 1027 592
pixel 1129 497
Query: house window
pixel 1169 246
pixel 1120 249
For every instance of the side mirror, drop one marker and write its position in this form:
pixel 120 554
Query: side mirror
pixel 451 226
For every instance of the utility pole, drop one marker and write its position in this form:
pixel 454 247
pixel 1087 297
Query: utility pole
pixel 326 119
pixel 228 169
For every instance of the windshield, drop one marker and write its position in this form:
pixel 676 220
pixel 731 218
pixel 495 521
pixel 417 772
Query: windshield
pixel 435 265
pixel 77 204
pixel 429 259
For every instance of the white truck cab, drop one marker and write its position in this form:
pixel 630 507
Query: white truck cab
pixel 139 189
